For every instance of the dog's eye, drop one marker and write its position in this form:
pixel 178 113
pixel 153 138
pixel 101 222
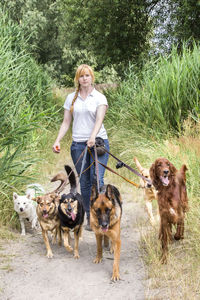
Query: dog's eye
pixel 98 211
pixel 41 204
pixel 24 203
pixel 107 210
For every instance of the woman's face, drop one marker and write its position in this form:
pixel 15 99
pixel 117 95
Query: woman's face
pixel 85 80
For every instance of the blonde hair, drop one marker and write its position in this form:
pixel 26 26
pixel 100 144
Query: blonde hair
pixel 79 72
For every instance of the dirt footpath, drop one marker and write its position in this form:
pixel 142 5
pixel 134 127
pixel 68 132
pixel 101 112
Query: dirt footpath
pixel 27 274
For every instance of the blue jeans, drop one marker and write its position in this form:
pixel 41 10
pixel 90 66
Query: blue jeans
pixel 87 178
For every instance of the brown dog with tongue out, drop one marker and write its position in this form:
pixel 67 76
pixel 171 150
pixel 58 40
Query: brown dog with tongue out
pixel 47 213
pixel 170 184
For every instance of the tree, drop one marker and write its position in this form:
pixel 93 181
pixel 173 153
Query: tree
pixel 115 31
pixel 176 21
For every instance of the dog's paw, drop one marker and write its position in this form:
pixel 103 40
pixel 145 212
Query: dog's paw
pixel 76 255
pixel 97 260
pixel 49 254
pixel 69 248
pixel 23 233
pixel 115 277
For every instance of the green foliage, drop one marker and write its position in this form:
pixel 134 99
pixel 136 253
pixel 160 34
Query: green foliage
pixel 26 109
pixel 114 38
pixel 65 33
pixel 161 97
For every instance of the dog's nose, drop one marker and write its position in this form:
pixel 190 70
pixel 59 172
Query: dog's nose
pixel 44 211
pixel 149 185
pixel 21 209
pixel 166 172
pixel 69 208
pixel 104 224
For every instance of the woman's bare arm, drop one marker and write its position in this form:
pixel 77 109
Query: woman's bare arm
pixel 63 130
pixel 101 111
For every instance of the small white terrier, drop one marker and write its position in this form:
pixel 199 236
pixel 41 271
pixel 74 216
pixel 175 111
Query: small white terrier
pixel 26 208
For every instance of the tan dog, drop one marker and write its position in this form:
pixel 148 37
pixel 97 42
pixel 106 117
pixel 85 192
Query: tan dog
pixel 47 212
pixel 150 192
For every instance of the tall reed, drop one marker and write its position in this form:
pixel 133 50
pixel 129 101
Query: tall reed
pixel 26 111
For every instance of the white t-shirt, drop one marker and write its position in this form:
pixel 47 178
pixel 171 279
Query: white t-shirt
pixel 84 115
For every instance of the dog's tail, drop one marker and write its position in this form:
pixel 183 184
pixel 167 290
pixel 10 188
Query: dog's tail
pixel 72 178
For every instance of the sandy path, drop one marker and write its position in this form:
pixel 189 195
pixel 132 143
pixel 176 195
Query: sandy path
pixel 32 276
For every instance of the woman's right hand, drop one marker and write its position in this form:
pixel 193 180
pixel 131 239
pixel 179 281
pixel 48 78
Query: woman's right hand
pixel 56 147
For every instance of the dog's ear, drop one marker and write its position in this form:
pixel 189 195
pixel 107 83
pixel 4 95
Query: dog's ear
pixel 152 171
pixel 29 196
pixel 138 164
pixel 37 199
pixel 109 191
pixel 94 194
pixel 15 196
pixel 153 175
pixel 172 168
pixel 55 197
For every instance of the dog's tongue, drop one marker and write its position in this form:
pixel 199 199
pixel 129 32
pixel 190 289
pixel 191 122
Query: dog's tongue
pixel 104 229
pixel 45 216
pixel 164 180
pixel 73 216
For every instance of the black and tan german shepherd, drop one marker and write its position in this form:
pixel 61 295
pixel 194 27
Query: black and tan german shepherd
pixel 71 214
pixel 105 218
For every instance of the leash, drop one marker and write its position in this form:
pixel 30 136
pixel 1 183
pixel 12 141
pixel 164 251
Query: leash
pixel 84 153
pixel 111 170
pixel 96 167
pixel 122 164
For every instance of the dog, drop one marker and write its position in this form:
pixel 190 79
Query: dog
pixel 150 192
pixel 105 219
pixel 71 214
pixel 26 208
pixel 47 212
pixel 172 200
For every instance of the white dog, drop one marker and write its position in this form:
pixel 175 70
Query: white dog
pixel 26 208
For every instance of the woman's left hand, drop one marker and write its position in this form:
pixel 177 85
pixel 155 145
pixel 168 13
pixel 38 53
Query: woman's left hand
pixel 91 142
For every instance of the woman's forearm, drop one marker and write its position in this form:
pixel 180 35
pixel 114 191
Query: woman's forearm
pixel 63 130
pixel 99 120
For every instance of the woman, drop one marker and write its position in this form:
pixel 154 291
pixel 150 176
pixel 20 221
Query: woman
pixel 87 107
